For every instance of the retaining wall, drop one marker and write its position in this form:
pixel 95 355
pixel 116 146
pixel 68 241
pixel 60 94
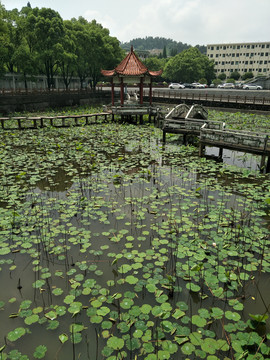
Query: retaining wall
pixel 10 103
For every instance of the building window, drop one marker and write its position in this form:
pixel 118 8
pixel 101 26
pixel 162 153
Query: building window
pixel 217 47
pixel 263 46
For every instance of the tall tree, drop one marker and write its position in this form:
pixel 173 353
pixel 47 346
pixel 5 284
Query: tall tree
pixel 190 65
pixel 3 39
pixel 45 33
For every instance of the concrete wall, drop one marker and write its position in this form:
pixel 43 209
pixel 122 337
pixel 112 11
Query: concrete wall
pixel 30 102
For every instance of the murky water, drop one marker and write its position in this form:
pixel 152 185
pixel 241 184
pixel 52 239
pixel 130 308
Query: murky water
pixel 106 225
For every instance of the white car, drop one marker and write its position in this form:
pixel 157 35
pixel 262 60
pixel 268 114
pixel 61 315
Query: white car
pixel 226 86
pixel 199 86
pixel 176 86
pixel 251 87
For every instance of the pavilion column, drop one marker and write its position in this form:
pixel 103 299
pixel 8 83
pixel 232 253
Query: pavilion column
pixel 112 93
pixel 122 92
pixel 141 91
pixel 150 92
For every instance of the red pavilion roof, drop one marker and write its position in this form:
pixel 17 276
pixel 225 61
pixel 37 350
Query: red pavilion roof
pixel 131 66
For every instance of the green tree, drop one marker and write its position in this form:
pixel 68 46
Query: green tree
pixel 222 76
pixel 3 39
pixel 45 31
pixel 188 66
pixel 173 51
pixel 235 75
pixel 67 56
pixel 164 54
pixel 247 75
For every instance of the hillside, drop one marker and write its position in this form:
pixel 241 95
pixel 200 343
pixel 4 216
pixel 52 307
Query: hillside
pixel 150 43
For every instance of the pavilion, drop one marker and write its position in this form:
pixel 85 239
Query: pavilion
pixel 131 71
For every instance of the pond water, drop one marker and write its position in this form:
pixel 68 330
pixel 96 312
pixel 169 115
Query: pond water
pixel 116 247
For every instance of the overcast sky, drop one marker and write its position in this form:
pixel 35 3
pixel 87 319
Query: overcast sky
pixel 189 21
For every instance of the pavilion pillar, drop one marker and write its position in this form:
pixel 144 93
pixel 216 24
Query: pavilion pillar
pixel 112 93
pixel 141 91
pixel 150 92
pixel 122 92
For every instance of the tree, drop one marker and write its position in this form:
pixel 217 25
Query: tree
pixel 44 33
pixel 164 54
pixel 188 66
pixel 247 75
pixel 155 64
pixel 235 75
pixel 67 56
pixel 222 76
pixel 3 39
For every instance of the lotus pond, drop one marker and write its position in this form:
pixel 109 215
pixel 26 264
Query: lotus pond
pixel 116 247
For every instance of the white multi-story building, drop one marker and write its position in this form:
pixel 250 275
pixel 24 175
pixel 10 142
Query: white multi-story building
pixel 242 57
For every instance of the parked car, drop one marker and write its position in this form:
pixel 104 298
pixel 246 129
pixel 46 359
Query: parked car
pixel 226 86
pixel 176 86
pixel 189 86
pixel 251 87
pixel 199 86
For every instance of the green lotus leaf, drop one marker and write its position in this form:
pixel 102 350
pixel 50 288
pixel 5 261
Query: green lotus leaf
pixel 40 352
pixel 169 346
pixel 131 279
pixel 16 334
pixel 63 338
pixel 133 344
pixel 126 303
pixel 193 287
pixel 53 324
pixel 188 348
pixel 106 325
pixel 31 319
pixel 209 346
pixel 57 291
pixel 115 343
pixel 232 316
pixel 146 308
pixel 198 321
pixel 75 307
pixel 51 315
pixel 217 313
pixel 74 328
pixel 4 250
pixel 96 319
pixel 137 333
pixel 76 338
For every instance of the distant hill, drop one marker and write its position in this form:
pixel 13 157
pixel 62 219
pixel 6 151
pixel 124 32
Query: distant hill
pixel 152 43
